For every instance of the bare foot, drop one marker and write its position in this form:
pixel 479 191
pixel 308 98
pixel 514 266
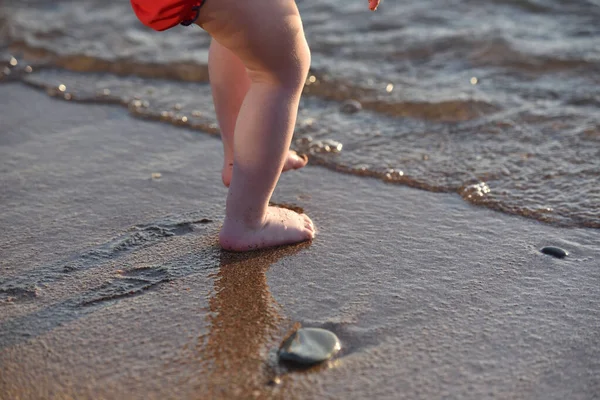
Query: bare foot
pixel 280 226
pixel 294 161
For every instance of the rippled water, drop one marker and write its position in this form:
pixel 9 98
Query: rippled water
pixel 496 100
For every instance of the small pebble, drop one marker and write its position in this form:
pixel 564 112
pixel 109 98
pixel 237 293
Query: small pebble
pixel 275 381
pixel 350 107
pixel 555 251
pixel 309 346
pixel 326 146
pixel 304 140
pixel 394 173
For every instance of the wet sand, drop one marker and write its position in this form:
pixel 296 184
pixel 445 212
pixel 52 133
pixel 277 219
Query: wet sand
pixel 112 284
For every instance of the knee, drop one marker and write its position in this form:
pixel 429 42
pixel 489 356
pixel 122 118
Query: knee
pixel 304 59
pixel 297 66
pixel 289 69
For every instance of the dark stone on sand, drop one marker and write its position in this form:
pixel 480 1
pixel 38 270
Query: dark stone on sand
pixel 309 346
pixel 555 251
pixel 350 107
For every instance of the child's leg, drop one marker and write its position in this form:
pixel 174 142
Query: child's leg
pixel 268 38
pixel 230 83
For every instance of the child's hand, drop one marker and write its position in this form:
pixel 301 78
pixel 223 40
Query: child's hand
pixel 373 4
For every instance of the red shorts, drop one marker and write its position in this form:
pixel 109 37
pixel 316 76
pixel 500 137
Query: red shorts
pixel 164 14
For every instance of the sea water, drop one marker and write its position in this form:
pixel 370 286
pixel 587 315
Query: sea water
pixel 496 100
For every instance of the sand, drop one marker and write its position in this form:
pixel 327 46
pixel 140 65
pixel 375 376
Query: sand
pixel 112 284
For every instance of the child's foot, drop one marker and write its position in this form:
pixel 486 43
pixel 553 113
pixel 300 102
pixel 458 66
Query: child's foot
pixel 280 226
pixel 294 161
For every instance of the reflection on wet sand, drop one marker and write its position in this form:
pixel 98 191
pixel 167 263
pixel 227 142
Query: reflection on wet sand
pixel 245 322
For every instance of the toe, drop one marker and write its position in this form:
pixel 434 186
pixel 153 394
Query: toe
pixel 301 160
pixel 309 232
pixel 295 161
pixel 308 224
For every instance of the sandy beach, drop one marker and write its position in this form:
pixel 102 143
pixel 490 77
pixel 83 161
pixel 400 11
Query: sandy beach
pixel 112 284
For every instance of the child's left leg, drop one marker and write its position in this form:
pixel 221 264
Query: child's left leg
pixel 230 83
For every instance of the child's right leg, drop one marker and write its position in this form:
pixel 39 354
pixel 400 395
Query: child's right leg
pixel 267 36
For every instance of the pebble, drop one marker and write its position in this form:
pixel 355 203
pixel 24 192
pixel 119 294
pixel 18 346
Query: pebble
pixel 326 146
pixel 275 381
pixel 304 140
pixel 309 346
pixel 555 251
pixel 350 107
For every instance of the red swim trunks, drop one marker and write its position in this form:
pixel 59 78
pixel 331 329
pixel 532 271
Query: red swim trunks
pixel 161 15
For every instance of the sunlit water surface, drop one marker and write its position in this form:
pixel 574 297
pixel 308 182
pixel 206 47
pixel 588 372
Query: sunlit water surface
pixel 496 100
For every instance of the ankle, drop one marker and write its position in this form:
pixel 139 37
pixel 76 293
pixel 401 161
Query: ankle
pixel 242 223
pixel 234 235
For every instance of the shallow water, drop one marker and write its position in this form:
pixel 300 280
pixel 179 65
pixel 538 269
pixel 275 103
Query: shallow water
pixel 496 100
